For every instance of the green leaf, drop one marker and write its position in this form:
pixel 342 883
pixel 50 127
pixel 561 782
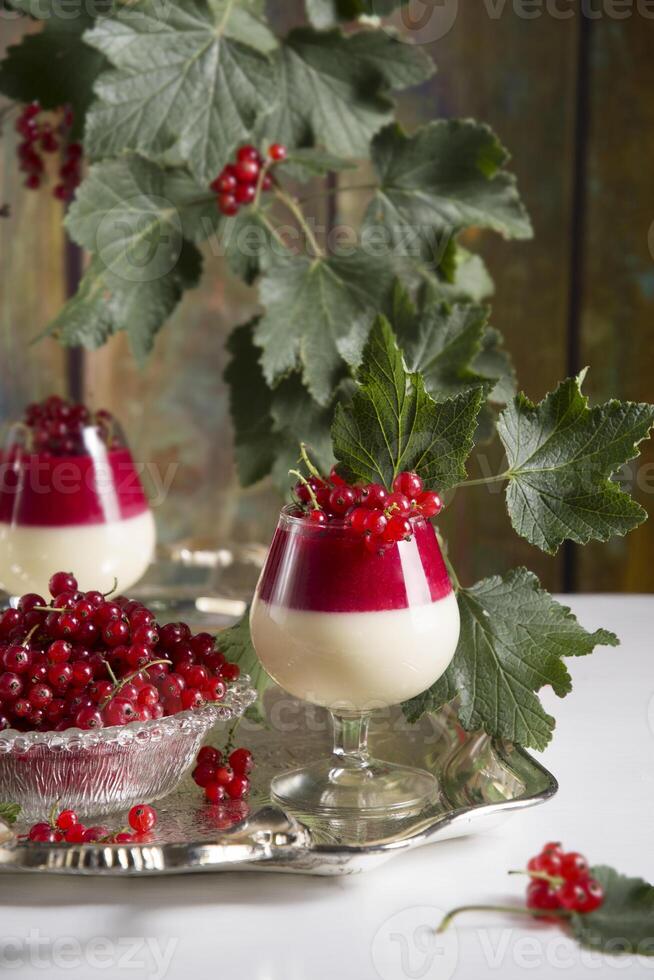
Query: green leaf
pixel 298 418
pixel 494 361
pixel 106 304
pixel 9 812
pixel 447 176
pixel 392 424
pixel 249 243
pixel 54 66
pixel 318 316
pixel 135 216
pixel 441 342
pixel 561 456
pixel 624 923
pixel 236 644
pixel 304 164
pixel 250 401
pixel 513 638
pixel 192 78
pixel 334 90
pixel 327 13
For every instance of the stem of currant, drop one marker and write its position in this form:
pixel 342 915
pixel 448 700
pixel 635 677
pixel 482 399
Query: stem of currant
pixel 499 478
pixel 304 452
pixel 506 909
pixel 298 214
pixel 303 480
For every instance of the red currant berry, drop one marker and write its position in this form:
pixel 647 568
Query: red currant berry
pixel 358 519
pixel 89 719
pixel 214 793
pixel 214 689
pixel 62 582
pixel 398 529
pixel 341 499
pixel 238 788
pixel 192 699
pixel 248 152
pixel 541 896
pixel 398 504
pixel 594 895
pixel 572 896
pixel 374 496
pixel 228 205
pixel 245 193
pixel 59 652
pixel 230 672
pixel 247 171
pixel 76 834
pixel 115 633
pixel 573 866
pixel 318 517
pixel 242 762
pixel 29 601
pixel 409 484
pixel 429 503
pixel 209 756
pixel 376 523
pixel 142 818
pixel 204 774
pixel 11 686
pixel 277 152
pixel 67 819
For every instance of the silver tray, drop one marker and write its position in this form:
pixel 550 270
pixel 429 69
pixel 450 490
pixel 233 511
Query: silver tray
pixel 482 782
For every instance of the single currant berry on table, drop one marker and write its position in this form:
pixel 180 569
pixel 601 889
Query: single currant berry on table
pixel 142 818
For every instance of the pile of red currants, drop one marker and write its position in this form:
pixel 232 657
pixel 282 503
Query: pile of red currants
pixel 223 779
pixel 39 137
pixel 379 517
pixel 561 880
pixel 236 185
pixel 66 827
pixel 86 661
pixel 56 426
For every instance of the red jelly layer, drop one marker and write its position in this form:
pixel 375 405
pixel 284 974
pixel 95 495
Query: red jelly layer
pixel 38 490
pixel 329 570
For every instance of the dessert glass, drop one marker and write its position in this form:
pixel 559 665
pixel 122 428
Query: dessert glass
pixel 84 509
pixel 353 632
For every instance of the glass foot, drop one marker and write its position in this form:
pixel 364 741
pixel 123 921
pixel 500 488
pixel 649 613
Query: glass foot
pixel 334 788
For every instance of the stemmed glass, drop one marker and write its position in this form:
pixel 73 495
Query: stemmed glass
pixel 353 632
pixel 75 505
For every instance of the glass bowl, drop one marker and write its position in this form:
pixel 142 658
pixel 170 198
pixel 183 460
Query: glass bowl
pixel 97 772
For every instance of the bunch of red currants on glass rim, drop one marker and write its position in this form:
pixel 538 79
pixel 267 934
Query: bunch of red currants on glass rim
pixel 56 426
pixel 87 661
pixel 379 517
pixel 40 136
pixel 237 183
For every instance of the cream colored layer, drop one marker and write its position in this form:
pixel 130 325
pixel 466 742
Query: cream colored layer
pixel 96 553
pixel 359 660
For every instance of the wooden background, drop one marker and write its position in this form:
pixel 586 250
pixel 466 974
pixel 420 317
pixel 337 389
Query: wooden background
pixel 572 99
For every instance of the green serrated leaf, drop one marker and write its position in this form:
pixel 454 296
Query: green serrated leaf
pixel 624 923
pixel 54 66
pixel 106 304
pixel 561 457
pixel 318 316
pixel 236 644
pixel 298 418
pixel 9 812
pixel 349 80
pixel 392 424
pixel 513 638
pixel 494 361
pixel 250 401
pixel 135 216
pixel 190 77
pixel 447 176
pixel 441 342
pixel 250 244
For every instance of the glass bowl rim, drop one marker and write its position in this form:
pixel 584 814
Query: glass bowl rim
pixel 239 697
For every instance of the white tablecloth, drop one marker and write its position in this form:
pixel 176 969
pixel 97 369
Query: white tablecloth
pixel 373 927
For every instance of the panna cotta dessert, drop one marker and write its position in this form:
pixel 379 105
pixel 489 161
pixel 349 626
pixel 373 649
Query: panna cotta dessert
pixel 71 497
pixel 354 611
pixel 344 628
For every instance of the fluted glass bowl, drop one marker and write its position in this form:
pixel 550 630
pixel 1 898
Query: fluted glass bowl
pixel 109 769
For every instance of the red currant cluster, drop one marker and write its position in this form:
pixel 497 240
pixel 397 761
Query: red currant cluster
pixel 87 662
pixel 380 518
pixel 57 426
pixel 41 137
pixel 223 779
pixel 236 185
pixel 561 880
pixel 66 827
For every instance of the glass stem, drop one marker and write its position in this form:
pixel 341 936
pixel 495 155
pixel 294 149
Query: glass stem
pixel 351 738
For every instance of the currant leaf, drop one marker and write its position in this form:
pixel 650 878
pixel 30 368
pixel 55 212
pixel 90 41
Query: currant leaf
pixel 392 424
pixel 189 78
pixel 136 216
pixel 236 644
pixel 318 316
pixel 561 457
pixel 106 304
pixel 250 401
pixel 304 164
pixel 447 176
pixel 513 638
pixel 54 67
pixel 623 923
pixel 250 245
pixel 9 813
pixel 349 79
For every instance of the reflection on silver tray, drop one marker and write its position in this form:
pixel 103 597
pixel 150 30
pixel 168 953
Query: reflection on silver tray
pixel 481 783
